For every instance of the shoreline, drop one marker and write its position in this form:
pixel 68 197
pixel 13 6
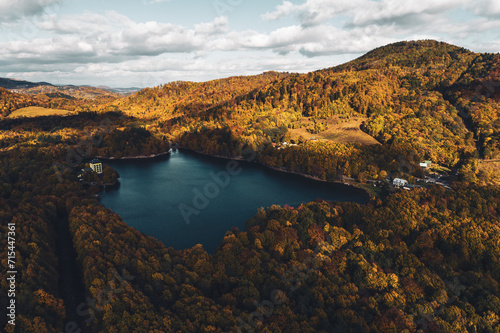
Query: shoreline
pixel 139 157
pixel 370 195
pixel 241 159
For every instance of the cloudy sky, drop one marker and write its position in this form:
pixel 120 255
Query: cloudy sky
pixel 148 42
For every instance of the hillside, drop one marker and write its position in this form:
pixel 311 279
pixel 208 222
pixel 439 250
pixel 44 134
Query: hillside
pixel 178 98
pixel 15 94
pixel 425 260
pixel 420 100
pixel 10 101
pixel 71 99
pixel 84 92
pixel 429 99
pixel 36 111
pixel 69 91
pixel 20 84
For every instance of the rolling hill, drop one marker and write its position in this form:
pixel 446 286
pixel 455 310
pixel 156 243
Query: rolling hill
pixel 426 260
pixel 37 111
pixel 441 98
pixel 20 84
pixel 434 100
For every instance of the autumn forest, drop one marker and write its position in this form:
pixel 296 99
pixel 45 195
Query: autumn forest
pixel 420 259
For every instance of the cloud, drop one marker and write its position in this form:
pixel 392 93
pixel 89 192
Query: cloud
pixel 15 10
pixel 111 37
pixel 285 9
pixel 148 72
pixel 487 8
pixel 111 45
pixel 313 12
pixel 85 24
pixel 352 26
pixel 218 26
pixel 364 12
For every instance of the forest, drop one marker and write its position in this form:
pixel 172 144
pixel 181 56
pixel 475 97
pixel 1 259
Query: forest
pixel 426 260
pixel 422 260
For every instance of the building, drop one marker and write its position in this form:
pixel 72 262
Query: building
pixel 426 164
pixel 96 166
pixel 399 182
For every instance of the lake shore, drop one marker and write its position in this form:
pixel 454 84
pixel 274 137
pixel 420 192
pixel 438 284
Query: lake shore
pixel 139 157
pixel 242 159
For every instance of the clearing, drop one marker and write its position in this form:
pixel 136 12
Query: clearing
pixel 334 129
pixel 37 111
pixel 489 172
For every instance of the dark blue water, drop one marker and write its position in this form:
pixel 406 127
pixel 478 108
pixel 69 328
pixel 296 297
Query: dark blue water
pixel 188 199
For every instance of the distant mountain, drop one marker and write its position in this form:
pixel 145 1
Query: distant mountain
pixel 123 91
pixel 71 91
pixel 69 97
pixel 85 91
pixel 20 84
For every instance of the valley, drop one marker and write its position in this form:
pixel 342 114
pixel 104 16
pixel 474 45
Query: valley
pixel 413 259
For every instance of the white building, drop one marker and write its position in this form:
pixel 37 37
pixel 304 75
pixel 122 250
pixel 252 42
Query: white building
pixel 426 164
pixel 399 182
pixel 96 166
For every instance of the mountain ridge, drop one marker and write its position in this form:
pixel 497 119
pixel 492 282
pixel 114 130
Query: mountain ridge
pixel 393 89
pixel 422 260
pixel 19 84
pixel 441 98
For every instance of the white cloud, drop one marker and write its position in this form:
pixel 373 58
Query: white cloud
pixel 92 37
pixel 361 12
pixel 488 8
pixel 111 45
pixel 314 12
pixel 218 26
pixel 113 37
pixel 14 10
pixel 285 9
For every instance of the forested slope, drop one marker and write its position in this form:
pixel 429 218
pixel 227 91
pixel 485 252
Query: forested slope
pixel 426 260
pixel 440 99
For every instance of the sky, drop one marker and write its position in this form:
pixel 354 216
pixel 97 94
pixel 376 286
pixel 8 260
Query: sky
pixel 144 43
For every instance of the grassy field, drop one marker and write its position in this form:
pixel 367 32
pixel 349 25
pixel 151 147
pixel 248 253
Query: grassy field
pixel 36 111
pixel 337 130
pixel 489 172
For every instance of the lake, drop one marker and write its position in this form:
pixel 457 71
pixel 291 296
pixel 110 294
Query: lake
pixel 187 199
